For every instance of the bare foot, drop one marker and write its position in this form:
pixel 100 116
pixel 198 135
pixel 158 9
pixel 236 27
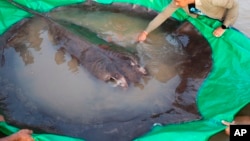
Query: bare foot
pixel 240 120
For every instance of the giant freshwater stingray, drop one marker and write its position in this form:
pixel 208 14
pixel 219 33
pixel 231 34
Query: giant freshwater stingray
pixel 120 65
pixel 99 59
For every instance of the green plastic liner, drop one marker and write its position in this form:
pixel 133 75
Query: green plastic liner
pixel 224 92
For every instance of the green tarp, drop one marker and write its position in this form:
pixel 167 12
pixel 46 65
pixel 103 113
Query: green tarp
pixel 224 92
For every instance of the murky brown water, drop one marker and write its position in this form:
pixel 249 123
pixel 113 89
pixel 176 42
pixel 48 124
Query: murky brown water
pixel 55 80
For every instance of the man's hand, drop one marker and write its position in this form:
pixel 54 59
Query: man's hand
pixel 239 120
pixel 227 130
pixel 22 135
pixel 219 32
pixel 142 36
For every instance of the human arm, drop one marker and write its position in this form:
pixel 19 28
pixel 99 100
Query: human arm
pixel 158 20
pixel 232 12
pixel 230 15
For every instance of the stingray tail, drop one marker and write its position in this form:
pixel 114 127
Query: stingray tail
pixel 20 6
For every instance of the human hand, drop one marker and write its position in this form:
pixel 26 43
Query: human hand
pixel 1 118
pixel 227 130
pixel 22 135
pixel 218 32
pixel 240 120
pixel 142 36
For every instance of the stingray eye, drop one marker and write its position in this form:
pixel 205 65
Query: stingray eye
pixel 107 77
pixel 132 63
pixel 116 76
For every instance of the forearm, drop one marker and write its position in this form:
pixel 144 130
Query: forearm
pixel 231 15
pixel 156 22
pixel 232 10
pixel 161 17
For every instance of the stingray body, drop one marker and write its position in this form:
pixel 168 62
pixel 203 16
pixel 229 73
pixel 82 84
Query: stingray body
pixel 99 59
pixel 104 63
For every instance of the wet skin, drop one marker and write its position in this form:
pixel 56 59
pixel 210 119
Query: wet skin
pixel 100 60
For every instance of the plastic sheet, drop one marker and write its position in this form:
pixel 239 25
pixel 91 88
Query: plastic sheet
pixel 222 95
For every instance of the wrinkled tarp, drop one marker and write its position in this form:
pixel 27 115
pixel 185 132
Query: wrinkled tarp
pixel 224 92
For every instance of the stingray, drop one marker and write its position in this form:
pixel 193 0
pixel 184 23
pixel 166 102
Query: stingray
pixel 102 62
pixel 122 127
